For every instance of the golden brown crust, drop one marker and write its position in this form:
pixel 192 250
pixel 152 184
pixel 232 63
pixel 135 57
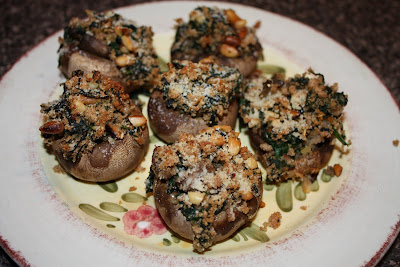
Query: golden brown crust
pixel 205 186
pixel 107 161
pixel 169 124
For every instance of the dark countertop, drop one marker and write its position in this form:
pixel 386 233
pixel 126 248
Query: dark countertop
pixel 367 28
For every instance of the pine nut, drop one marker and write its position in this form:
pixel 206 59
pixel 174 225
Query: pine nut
pixel 229 51
pixel 234 146
pixel 137 121
pixel 128 43
pixel 196 197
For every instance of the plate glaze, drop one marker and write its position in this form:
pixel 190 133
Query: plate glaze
pixel 44 222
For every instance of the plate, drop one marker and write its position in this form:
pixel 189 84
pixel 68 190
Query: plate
pixel 350 221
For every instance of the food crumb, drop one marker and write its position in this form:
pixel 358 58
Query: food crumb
pixel 120 202
pixel 264 227
pixel 262 204
pixel 144 203
pixel 396 142
pixel 137 178
pixel 140 169
pixel 58 169
pixel 132 188
pixel 274 221
pixel 337 169
pixel 303 207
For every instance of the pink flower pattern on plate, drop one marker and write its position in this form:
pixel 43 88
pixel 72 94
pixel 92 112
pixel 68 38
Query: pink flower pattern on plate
pixel 143 222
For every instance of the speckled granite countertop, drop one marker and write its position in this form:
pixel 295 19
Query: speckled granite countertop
pixel 367 28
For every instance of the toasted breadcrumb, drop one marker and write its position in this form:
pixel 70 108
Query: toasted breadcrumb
pixel 274 220
pixel 293 118
pixel 396 142
pixel 124 39
pixel 209 29
pixel 132 188
pixel 58 169
pixel 93 108
pixel 337 169
pixel 200 89
pixel 303 207
pixel 208 172
pixel 140 169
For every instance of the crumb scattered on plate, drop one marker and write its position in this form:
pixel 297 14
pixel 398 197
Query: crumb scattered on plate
pixel 140 168
pixel 274 221
pixel 396 142
pixel 303 207
pixel 132 188
pixel 58 169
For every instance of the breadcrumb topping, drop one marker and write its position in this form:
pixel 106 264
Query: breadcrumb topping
pixel 293 116
pixel 91 109
pixel 200 89
pixel 129 45
pixel 210 29
pixel 208 173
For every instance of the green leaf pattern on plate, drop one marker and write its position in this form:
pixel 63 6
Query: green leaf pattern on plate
pixel 298 192
pixel 166 242
pixel 96 213
pixel 111 187
pixel 284 196
pixel 109 206
pixel 255 232
pixel 133 198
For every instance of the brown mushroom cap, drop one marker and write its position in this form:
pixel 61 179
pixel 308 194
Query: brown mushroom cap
pixel 169 124
pixel 175 220
pixel 307 164
pixel 107 161
pixel 87 62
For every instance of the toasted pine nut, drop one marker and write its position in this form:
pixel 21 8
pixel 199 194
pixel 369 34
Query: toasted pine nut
pixel 229 51
pixel 247 195
pixel 118 30
pixel 251 163
pixel 337 169
pixel 124 60
pixel 231 16
pixel 137 121
pixel 196 197
pixel 240 24
pixel 115 130
pixel 217 139
pixel 79 106
pixel 232 40
pixel 128 43
pixel 234 146
pixel 207 60
pixel 52 127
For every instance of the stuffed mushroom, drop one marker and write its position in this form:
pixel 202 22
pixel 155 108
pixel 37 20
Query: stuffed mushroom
pixel 115 46
pixel 94 129
pixel 205 186
pixel 192 96
pixel 292 123
pixel 218 33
